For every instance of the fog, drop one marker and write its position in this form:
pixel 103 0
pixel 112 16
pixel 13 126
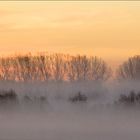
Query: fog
pixel 49 114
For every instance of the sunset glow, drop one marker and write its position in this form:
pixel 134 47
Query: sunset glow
pixel 110 30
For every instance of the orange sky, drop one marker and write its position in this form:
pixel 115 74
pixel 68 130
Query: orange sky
pixel 110 30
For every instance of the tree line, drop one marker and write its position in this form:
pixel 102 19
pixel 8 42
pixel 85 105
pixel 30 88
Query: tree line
pixel 61 67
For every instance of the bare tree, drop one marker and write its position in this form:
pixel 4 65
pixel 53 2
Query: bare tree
pixel 99 69
pixel 58 67
pixel 78 68
pixel 43 65
pixel 130 69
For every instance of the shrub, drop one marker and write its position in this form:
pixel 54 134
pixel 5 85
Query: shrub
pixel 131 98
pixel 40 99
pixel 78 98
pixel 8 96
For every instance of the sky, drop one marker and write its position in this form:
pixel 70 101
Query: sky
pixel 107 29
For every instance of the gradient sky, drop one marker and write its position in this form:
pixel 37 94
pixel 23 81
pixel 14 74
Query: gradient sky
pixel 110 30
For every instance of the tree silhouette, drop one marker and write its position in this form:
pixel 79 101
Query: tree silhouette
pixel 130 70
pixel 57 67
